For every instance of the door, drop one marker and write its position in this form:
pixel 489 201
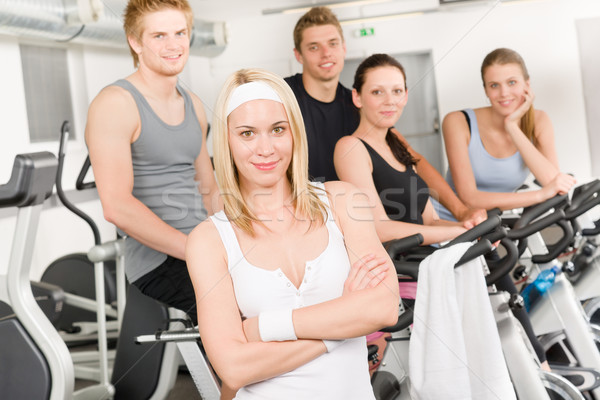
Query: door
pixel 419 123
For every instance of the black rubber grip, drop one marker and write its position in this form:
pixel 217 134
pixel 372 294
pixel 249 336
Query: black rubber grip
pixel 79 183
pixel 521 231
pixel 407 268
pixel 534 212
pixel 411 268
pixel 397 246
pixel 479 230
pixel 503 266
pixel 495 235
pixel 592 231
pixel 494 211
pixel 480 248
pixel 404 321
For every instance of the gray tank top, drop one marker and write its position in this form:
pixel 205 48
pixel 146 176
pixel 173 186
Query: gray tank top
pixel 491 174
pixel 163 159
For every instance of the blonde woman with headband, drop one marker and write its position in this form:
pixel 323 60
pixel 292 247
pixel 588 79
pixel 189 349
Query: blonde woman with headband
pixel 291 275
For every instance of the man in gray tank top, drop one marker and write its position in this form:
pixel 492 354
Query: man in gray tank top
pixel 147 141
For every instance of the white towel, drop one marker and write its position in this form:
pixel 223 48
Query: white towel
pixel 454 350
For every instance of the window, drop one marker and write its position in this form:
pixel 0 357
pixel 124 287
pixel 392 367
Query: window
pixel 47 91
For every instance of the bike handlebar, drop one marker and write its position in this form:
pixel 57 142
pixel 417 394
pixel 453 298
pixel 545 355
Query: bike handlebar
pixel 398 246
pixel 521 232
pixel 477 231
pixel 557 248
pixel 534 212
pixel 31 180
pixel 503 266
pixel 500 268
pixel 582 196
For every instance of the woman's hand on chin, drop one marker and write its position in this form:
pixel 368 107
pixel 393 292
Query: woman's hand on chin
pixel 515 116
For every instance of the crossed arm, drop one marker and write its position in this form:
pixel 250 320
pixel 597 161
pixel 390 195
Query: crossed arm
pixel 362 309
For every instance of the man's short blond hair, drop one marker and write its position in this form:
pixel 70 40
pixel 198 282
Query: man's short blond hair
pixel 316 16
pixel 137 9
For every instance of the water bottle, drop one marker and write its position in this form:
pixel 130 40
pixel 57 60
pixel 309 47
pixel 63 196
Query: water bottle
pixel 544 281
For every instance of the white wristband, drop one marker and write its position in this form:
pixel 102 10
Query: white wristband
pixel 276 326
pixel 332 344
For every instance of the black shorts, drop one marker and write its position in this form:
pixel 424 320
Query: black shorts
pixel 170 283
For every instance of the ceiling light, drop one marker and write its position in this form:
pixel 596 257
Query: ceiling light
pixel 330 4
pixel 379 18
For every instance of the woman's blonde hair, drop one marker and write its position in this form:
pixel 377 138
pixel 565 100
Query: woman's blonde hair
pixel 503 56
pixel 305 198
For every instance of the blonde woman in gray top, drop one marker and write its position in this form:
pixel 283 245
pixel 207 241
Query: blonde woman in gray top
pixel 510 127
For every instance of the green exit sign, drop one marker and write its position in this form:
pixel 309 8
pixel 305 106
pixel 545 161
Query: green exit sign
pixel 365 32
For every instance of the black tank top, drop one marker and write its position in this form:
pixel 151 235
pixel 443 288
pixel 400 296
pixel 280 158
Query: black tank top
pixel 404 195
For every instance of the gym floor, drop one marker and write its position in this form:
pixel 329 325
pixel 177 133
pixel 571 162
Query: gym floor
pixel 184 387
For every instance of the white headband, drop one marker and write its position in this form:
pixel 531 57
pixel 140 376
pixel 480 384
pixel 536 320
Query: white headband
pixel 251 91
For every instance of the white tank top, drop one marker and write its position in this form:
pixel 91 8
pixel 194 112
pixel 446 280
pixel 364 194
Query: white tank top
pixel 341 374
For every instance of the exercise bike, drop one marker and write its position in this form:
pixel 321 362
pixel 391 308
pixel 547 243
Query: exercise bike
pixel 584 265
pixel 391 378
pixel 558 317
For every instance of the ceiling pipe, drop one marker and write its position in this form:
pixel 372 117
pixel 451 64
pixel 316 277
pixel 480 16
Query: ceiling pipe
pixel 87 22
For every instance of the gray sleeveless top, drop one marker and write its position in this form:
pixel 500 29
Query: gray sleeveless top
pixel 163 159
pixel 491 174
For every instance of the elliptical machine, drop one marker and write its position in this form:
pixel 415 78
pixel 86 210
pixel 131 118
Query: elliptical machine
pixel 36 363
pixel 69 270
pixel 75 273
pixel 102 270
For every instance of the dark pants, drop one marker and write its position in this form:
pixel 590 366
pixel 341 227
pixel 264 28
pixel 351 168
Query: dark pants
pixel 170 284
